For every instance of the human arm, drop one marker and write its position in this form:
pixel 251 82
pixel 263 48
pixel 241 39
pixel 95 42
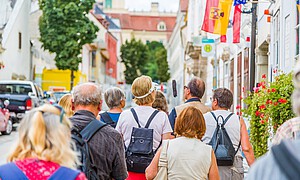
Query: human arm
pixel 245 142
pixel 172 117
pixel 213 170
pixel 152 169
pixel 119 163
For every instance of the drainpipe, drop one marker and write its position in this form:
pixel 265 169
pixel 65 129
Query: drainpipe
pixel 253 44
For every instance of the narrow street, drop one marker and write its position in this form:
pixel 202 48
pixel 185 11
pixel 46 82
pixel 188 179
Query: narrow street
pixel 6 143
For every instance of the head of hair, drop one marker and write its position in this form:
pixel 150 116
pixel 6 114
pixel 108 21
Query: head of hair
pixel 160 102
pixel 87 94
pixel 113 97
pixel 141 86
pixel 190 123
pixel 66 103
pixel 197 87
pixel 43 136
pixel 224 97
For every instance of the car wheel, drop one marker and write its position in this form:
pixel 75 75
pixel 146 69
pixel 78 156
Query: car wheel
pixel 8 128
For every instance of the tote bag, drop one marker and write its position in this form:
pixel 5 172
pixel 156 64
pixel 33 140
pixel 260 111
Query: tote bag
pixel 162 173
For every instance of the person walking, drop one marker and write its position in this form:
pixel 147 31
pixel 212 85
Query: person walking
pixel 187 156
pixel 193 93
pixel 146 118
pixel 236 128
pixel 106 145
pixel 115 100
pixel 160 102
pixel 43 150
pixel 66 103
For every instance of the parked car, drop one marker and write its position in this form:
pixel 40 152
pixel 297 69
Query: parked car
pixel 50 97
pixel 22 95
pixel 59 94
pixel 5 121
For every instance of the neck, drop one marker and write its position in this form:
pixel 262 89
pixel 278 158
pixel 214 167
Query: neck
pixel 149 104
pixel 219 108
pixel 115 110
pixel 90 108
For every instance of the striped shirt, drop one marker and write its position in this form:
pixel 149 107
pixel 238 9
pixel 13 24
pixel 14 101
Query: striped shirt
pixel 288 130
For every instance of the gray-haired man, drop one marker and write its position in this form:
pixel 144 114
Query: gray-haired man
pixel 106 145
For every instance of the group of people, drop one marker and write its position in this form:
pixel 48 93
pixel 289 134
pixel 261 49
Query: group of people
pixel 120 149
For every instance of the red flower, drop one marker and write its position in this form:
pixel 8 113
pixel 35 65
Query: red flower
pixel 273 90
pixel 263 86
pixel 269 101
pixel 256 89
pixel 257 113
pixel 269 90
pixel 275 103
pixel 274 70
pixel 238 107
pixel 262 107
pixel 243 89
pixel 264 76
pixel 258 84
pixel 262 115
pixel 262 122
pixel 281 100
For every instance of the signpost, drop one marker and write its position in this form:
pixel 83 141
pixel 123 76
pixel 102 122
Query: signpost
pixel 208 47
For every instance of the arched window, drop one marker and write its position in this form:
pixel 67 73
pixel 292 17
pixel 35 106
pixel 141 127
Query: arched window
pixel 161 26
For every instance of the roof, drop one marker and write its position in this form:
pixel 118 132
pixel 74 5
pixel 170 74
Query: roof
pixel 98 11
pixel 143 22
pixel 184 5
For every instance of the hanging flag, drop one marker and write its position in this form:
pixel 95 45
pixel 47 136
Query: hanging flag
pixel 216 16
pixel 298 5
pixel 234 26
pixel 238 2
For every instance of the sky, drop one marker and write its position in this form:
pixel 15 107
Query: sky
pixel 145 5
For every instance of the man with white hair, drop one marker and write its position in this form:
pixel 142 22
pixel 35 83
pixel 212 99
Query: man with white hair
pixel 106 145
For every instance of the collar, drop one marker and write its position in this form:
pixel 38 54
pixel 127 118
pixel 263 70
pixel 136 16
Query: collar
pixel 193 100
pixel 85 113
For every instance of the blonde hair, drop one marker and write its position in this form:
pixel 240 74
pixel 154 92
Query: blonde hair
pixel 66 103
pixel 160 102
pixel 140 87
pixel 42 135
pixel 190 123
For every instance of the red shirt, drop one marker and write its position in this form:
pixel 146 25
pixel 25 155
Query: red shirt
pixel 38 169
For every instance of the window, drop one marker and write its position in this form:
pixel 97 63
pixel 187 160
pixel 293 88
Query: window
pixel 161 26
pixel 297 32
pixel 20 40
pixel 94 58
pixel 108 4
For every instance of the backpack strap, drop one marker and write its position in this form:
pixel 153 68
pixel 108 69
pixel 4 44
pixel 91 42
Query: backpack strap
pixel 227 118
pixel 106 118
pixel 135 116
pixel 11 171
pixel 64 173
pixel 88 132
pixel 151 118
pixel 286 160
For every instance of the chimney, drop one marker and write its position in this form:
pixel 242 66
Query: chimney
pixel 154 7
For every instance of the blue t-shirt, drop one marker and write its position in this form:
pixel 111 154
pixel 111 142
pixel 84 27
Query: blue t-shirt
pixel 114 117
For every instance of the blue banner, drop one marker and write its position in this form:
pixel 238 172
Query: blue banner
pixel 238 2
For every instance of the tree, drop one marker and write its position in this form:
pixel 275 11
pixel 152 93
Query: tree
pixel 151 66
pixel 162 72
pixel 134 55
pixel 64 29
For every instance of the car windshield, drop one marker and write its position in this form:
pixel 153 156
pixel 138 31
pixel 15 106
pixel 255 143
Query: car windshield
pixel 22 89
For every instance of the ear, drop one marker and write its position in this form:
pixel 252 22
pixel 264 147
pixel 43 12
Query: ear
pixel 122 103
pixel 100 106
pixel 72 105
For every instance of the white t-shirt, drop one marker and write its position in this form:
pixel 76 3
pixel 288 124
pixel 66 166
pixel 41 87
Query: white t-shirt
pixel 160 124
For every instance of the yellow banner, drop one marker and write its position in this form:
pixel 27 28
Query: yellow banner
pixel 222 14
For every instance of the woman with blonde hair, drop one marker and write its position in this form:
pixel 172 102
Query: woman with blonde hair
pixel 66 103
pixel 142 116
pixel 187 156
pixel 44 148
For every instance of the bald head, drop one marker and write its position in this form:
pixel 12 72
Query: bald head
pixel 197 87
pixel 87 94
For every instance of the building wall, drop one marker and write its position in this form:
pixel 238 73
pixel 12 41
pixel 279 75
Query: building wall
pixel 17 60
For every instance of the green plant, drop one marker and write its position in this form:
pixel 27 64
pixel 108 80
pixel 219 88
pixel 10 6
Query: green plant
pixel 268 106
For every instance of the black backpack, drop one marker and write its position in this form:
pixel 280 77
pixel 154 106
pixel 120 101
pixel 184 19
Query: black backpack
pixel 81 139
pixel 139 153
pixel 222 144
pixel 107 119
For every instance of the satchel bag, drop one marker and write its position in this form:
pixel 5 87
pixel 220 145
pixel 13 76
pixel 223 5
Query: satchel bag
pixel 162 173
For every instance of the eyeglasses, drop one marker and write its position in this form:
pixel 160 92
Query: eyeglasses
pixel 62 112
pixel 185 87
